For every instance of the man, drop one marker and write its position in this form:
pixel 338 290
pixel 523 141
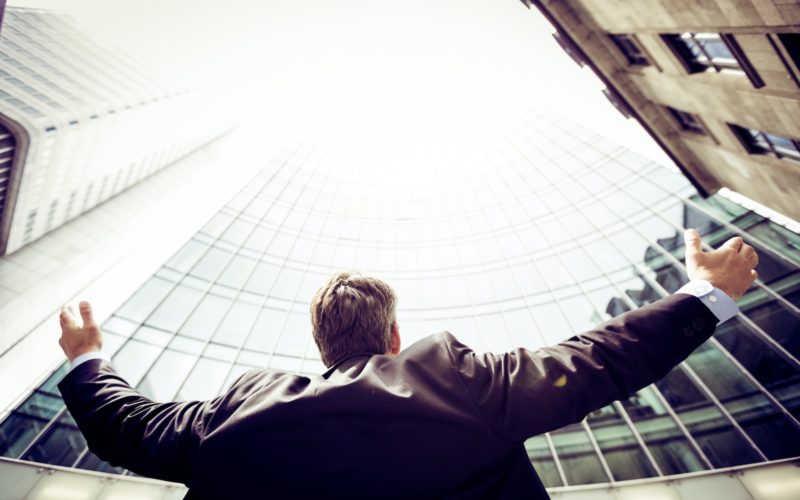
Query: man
pixel 433 421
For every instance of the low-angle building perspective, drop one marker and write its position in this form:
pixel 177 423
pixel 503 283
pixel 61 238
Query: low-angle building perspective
pixel 717 84
pixel 68 101
pixel 200 239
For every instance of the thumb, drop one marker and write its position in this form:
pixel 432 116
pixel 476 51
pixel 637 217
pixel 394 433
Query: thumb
pixel 86 313
pixel 693 243
pixel 734 243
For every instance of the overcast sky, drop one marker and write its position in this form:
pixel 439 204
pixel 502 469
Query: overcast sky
pixel 357 54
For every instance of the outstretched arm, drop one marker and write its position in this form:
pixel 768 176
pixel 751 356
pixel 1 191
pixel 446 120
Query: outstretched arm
pixel 120 425
pixel 523 393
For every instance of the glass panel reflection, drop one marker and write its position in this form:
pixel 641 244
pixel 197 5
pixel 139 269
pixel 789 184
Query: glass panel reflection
pixel 616 441
pixel 578 459
pixel 771 429
pixel 718 439
pixel 661 434
pixel 61 444
pixel 542 459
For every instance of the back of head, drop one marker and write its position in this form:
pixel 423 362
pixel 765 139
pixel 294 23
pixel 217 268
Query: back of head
pixel 352 313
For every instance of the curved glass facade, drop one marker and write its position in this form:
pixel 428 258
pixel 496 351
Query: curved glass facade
pixel 524 233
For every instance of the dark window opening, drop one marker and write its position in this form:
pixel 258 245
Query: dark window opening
pixel 630 50
pixel 791 42
pixel 701 52
pixel 765 143
pixel 687 121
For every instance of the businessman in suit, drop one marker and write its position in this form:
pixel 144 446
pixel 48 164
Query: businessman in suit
pixel 435 420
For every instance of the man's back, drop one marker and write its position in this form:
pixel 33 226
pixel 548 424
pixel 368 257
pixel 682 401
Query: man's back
pixel 376 426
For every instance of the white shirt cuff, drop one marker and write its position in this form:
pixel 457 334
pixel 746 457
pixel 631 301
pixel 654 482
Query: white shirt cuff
pixel 723 307
pixel 86 357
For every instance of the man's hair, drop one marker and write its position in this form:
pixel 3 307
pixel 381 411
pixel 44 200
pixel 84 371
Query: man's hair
pixel 352 313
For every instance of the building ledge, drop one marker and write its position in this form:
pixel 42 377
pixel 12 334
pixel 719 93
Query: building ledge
pixel 776 480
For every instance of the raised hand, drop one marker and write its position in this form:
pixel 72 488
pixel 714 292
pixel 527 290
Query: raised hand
pixel 729 268
pixel 76 339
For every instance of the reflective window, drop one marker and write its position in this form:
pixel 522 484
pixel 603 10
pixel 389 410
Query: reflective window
pixel 134 358
pixel 266 330
pixel 721 443
pixel 237 272
pixel 187 256
pixel 263 278
pixel 762 360
pixel 616 441
pixel 206 317
pixel 17 431
pixel 142 303
pixel 204 381
pixel 211 264
pixel 578 459
pixel 61 444
pixel 175 308
pixel 765 424
pixel 163 379
pixel 296 334
pixel 661 434
pixel 542 459
pixel 236 325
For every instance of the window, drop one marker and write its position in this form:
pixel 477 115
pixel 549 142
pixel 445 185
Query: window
pixel 701 52
pixel 630 49
pixel 542 459
pixel 687 121
pixel 791 42
pixel 764 143
pixel 787 47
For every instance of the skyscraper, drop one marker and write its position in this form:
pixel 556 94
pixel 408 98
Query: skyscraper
pixel 717 84
pixel 80 122
pixel 512 231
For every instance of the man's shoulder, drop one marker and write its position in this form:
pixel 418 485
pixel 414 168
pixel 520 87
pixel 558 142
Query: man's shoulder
pixel 437 346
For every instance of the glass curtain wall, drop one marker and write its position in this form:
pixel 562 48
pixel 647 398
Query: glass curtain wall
pixel 529 231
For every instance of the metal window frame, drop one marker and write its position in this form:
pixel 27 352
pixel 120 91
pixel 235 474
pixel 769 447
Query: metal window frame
pixel 748 140
pixel 679 47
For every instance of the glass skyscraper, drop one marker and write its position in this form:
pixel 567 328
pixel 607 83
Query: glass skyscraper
pixel 521 233
pixel 81 122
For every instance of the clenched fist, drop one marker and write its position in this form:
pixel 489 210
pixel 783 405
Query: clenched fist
pixel 729 268
pixel 76 339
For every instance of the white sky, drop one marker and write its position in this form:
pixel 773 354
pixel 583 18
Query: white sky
pixel 358 59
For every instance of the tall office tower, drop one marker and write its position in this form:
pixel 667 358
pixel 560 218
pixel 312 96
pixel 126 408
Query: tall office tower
pixel 80 122
pixel 717 84
pixel 519 232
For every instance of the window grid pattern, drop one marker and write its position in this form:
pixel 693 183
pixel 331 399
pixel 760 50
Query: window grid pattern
pixel 92 114
pixel 540 230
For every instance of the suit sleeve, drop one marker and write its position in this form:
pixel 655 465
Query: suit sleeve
pixel 523 393
pixel 126 429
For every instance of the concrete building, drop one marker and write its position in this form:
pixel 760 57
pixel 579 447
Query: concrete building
pixel 81 122
pixel 717 84
pixel 529 230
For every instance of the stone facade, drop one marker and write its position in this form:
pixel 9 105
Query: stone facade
pixel 768 102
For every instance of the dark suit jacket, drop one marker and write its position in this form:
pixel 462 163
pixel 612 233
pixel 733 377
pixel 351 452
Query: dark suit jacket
pixel 435 421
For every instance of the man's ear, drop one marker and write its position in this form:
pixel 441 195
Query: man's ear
pixel 395 347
